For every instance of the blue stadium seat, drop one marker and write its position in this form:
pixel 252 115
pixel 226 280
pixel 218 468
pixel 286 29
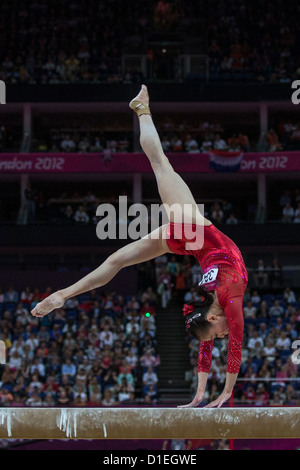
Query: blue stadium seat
pixel 250 321
pixel 285 353
pixel 83 298
pixel 10 306
pixel 261 320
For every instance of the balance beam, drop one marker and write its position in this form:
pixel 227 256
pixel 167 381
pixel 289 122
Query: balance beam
pixel 149 423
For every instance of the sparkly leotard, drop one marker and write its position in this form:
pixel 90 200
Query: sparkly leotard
pixel 212 248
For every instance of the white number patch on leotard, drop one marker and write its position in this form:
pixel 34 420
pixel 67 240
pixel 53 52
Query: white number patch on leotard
pixel 209 276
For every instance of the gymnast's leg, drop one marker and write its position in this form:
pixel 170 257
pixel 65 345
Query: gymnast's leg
pixel 148 247
pixel 173 191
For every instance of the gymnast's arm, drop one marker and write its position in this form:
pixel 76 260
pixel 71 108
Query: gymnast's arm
pixel 202 381
pixel 234 315
pixel 204 365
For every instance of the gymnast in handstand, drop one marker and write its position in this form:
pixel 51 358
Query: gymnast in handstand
pixel 218 310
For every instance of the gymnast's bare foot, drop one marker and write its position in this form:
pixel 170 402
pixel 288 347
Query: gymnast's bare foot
pixel 140 104
pixel 49 304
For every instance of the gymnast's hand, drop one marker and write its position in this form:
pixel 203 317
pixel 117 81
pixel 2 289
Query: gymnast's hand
pixel 220 400
pixel 196 401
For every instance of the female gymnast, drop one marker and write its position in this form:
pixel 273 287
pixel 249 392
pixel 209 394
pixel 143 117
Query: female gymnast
pixel 219 308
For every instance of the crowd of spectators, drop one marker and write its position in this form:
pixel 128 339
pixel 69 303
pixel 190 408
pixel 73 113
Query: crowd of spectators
pixel 70 42
pixel 83 42
pixel 171 142
pixel 175 137
pixel 256 42
pixel 195 143
pixel 284 136
pixel 80 208
pixel 221 212
pixel 271 375
pixel 85 142
pixel 99 349
pixel 182 133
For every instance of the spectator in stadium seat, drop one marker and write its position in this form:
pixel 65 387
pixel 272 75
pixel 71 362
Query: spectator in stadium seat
pixel 276 310
pixel 148 359
pixel 262 396
pixel 273 141
pixel 81 217
pixel 283 342
pixel 63 399
pixel 163 291
pixel 68 144
pixel 250 310
pixel 127 374
pixel 269 351
pixel 147 342
pixel 149 379
pixel 84 145
pixel 147 308
pixel 166 144
pixel 68 214
pixel 149 296
pixel 288 213
pixel 231 220
pixel 125 391
pixel 297 214
pixel 110 378
pixel 132 325
pixel 50 385
pixel 217 214
pixel 109 398
pixel 256 343
pixel 255 297
pixel 34 399
pixel 291 396
pixel 38 368
pixel 291 331
pixel 11 295
pixel 289 295
pixel 249 394
pixel 148 323
pixel 177 144
pixel 132 360
pixel 243 142
pixel 219 143
pixel 190 143
pixel 261 275
pixel 206 146
pixel 276 277
pixel 263 330
pixel 68 368
pixel 35 383
pixel 15 360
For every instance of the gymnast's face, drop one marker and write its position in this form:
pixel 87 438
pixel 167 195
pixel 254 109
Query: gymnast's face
pixel 218 329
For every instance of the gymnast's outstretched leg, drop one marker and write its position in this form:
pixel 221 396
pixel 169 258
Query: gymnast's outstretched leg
pixel 175 195
pixel 173 191
pixel 148 247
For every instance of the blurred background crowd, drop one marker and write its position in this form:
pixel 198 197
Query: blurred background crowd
pixel 100 348
pixel 85 41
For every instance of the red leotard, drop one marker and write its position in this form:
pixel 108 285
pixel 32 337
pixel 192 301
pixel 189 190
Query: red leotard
pixel 212 247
